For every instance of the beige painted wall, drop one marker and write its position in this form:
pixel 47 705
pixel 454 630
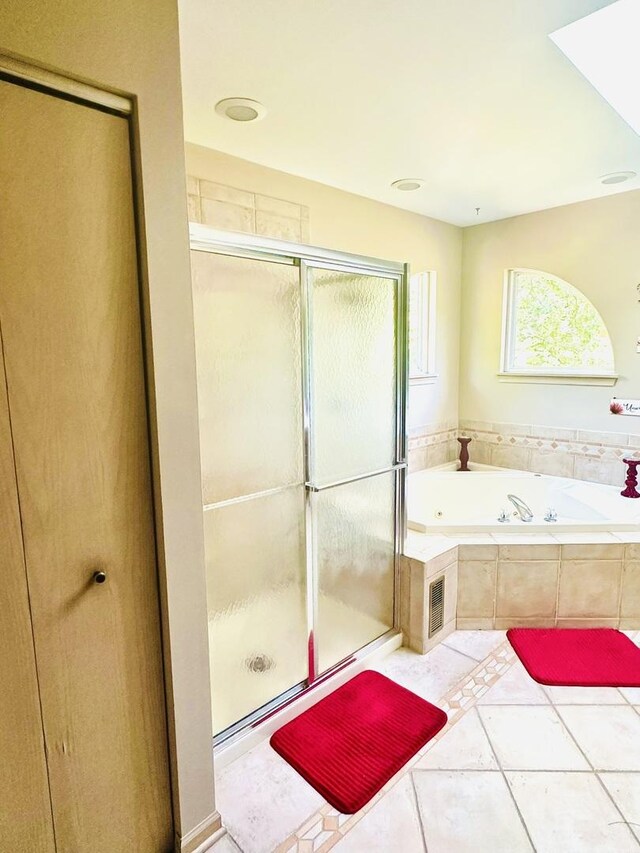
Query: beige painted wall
pixel 594 245
pixel 351 223
pixel 133 48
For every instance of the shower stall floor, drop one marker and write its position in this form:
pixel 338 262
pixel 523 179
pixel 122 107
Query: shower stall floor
pixel 259 651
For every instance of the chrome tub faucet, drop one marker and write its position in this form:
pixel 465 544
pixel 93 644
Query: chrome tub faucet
pixel 521 508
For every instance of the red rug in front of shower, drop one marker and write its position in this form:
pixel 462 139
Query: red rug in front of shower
pixel 354 740
pixel 578 657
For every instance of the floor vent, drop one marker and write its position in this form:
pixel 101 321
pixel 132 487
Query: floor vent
pixel 436 606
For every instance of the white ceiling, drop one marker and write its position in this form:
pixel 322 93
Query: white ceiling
pixel 470 95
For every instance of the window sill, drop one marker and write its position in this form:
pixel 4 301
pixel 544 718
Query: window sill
pixel 428 379
pixel 559 378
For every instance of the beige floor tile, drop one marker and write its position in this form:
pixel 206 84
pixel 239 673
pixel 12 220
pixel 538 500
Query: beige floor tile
pixel 625 790
pixel 585 695
pixel 570 813
pixel 464 747
pixel 516 687
pixel 634 635
pixel 226 845
pixel 609 737
pixel 248 788
pixel 468 812
pixel 631 694
pixel 475 644
pixel 530 738
pixel 430 675
pixel 392 824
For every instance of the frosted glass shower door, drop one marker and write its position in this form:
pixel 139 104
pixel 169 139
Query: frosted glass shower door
pixel 354 452
pixel 248 347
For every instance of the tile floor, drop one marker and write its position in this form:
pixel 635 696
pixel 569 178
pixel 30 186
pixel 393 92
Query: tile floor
pixel 519 767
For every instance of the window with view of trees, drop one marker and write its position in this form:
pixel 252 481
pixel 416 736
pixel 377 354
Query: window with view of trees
pixel 551 328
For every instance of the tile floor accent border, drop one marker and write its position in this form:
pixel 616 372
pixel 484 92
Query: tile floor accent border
pixel 326 827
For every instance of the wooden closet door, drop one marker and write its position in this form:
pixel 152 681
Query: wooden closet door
pixel 70 318
pixel 26 824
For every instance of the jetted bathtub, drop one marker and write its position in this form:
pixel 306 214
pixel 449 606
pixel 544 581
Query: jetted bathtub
pixel 443 500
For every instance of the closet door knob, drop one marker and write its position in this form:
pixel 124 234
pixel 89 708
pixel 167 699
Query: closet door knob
pixel 99 577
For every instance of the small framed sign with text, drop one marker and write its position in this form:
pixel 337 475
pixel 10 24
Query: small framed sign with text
pixel 618 406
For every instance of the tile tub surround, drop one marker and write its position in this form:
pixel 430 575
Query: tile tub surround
pixel 581 454
pixel 416 576
pixel 232 209
pixel 581 580
pixel 568 784
pixel 432 445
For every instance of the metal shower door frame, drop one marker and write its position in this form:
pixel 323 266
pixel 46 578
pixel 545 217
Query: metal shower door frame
pixel 308 258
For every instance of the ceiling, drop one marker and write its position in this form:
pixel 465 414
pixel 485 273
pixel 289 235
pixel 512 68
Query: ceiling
pixel 470 95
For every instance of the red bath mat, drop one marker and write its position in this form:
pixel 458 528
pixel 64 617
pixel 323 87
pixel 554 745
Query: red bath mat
pixel 578 657
pixel 353 741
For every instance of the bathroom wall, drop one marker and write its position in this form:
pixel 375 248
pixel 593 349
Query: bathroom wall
pixel 101 43
pixel 565 430
pixel 340 220
pixel 593 245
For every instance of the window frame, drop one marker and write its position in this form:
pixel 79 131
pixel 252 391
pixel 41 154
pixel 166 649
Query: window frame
pixel 567 376
pixel 428 286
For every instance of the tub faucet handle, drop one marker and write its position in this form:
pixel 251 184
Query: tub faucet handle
pixel 551 515
pixel 503 517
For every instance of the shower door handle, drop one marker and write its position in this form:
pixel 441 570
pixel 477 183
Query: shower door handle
pixel 311 487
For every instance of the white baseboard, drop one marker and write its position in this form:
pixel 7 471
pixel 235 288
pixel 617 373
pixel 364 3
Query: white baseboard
pixel 202 837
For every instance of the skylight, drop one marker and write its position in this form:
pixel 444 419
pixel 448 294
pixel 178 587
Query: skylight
pixel 604 48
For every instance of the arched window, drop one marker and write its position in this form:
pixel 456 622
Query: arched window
pixel 551 329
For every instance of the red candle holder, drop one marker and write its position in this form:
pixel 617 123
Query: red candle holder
pixel 632 479
pixel 464 454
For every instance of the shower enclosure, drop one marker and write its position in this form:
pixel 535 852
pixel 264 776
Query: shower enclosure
pixel 302 384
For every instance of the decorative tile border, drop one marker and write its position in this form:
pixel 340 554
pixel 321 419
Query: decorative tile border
pixel 590 443
pixel 431 445
pixel 324 829
pixel 581 454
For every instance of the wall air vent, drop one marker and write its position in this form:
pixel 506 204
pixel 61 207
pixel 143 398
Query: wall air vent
pixel 436 606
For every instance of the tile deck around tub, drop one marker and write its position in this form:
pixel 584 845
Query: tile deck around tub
pixel 518 767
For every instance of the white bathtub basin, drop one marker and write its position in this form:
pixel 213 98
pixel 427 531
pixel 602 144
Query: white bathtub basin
pixel 448 501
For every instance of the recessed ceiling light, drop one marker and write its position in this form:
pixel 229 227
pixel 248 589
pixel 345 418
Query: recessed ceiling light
pixel 241 109
pixel 617 177
pixel 407 185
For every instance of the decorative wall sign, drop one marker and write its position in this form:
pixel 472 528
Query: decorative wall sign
pixel 624 407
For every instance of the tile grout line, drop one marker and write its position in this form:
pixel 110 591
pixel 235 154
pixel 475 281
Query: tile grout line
pixel 586 772
pixel 418 810
pixel 453 649
pixel 558 587
pixel 594 771
pixel 623 571
pixel 505 780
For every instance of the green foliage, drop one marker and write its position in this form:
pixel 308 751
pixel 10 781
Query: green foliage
pixel 557 327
